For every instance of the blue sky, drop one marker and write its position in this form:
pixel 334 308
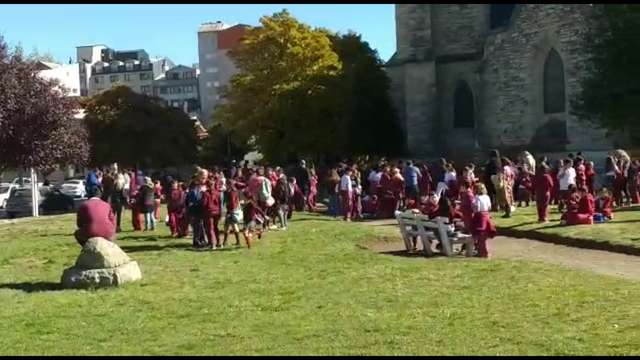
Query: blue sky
pixel 171 30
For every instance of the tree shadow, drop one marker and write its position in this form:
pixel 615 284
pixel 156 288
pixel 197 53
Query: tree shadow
pixel 141 248
pixel 34 287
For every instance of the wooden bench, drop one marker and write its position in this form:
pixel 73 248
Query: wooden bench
pixel 417 225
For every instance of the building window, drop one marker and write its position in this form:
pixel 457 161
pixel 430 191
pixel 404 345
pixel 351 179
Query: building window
pixel 163 90
pixel 209 84
pixel 216 84
pixel 146 89
pixel 553 84
pixel 129 66
pixel 210 56
pixel 212 70
pixel 97 79
pixel 188 89
pixel 175 76
pixel 127 77
pixel 145 76
pixel 74 90
pixel 188 75
pixel 98 69
pixel 500 14
pixel 114 78
pixel 463 109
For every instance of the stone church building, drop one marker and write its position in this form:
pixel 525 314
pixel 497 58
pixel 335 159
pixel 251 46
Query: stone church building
pixel 470 77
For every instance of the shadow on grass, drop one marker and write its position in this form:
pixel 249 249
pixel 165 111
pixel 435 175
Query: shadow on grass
pixel 33 287
pixel 141 248
pixel 149 237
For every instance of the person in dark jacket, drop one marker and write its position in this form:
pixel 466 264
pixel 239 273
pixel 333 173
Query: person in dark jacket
pixel 281 195
pixel 146 198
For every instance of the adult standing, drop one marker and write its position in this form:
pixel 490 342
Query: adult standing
pixel 491 169
pixel 302 178
pixel 412 177
pixel 146 199
pixel 346 193
pixel 91 182
pixel 374 179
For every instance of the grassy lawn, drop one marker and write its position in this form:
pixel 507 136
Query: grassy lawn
pixel 623 230
pixel 312 290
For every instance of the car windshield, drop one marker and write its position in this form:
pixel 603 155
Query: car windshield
pixel 4 189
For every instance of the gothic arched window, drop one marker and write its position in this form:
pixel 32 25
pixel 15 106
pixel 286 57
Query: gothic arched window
pixel 500 14
pixel 463 109
pixel 553 84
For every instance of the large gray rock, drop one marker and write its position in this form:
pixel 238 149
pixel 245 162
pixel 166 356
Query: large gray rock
pixel 77 278
pixel 99 253
pixel 101 263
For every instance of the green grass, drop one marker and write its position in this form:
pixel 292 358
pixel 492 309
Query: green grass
pixel 312 290
pixel 623 230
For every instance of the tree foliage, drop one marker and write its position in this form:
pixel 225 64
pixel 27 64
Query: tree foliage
pixel 137 130
pixel 367 109
pixel 37 124
pixel 304 92
pixel 283 65
pixel 611 88
pixel 220 147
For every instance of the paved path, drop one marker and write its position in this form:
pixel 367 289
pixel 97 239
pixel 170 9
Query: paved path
pixel 602 262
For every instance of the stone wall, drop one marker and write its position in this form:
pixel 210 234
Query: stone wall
pixel 512 75
pixel 459 28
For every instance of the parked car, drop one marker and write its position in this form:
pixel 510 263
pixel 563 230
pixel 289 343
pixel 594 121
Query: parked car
pixel 51 201
pixel 56 202
pixel 19 203
pixel 5 193
pixel 74 188
pixel 23 182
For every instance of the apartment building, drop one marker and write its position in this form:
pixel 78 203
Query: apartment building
pixel 102 68
pixel 178 86
pixel 216 67
pixel 67 75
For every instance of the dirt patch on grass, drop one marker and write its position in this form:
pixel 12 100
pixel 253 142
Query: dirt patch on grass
pixel 502 247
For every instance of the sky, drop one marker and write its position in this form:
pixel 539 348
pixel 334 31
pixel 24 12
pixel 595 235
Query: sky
pixel 171 30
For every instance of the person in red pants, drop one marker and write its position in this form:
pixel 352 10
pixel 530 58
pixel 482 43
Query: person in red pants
pixel 585 211
pixel 212 208
pixel 175 208
pixel 157 199
pixel 483 227
pixel 544 186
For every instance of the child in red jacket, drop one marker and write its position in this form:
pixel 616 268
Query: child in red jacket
pixel 175 208
pixel 211 204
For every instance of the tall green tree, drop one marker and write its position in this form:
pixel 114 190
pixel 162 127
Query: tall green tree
pixel 611 88
pixel 137 130
pixel 277 96
pixel 364 90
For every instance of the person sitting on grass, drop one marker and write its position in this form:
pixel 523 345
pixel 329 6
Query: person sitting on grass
pixel 604 204
pixel 95 218
pixel 579 212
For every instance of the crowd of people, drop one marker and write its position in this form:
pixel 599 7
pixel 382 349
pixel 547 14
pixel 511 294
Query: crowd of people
pixel 467 198
pixel 250 201
pixel 258 199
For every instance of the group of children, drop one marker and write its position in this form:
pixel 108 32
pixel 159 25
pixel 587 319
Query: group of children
pixel 257 199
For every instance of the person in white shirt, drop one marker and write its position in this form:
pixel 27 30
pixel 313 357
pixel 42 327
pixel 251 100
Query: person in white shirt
pixel 483 227
pixel 374 180
pixel 346 194
pixel 566 178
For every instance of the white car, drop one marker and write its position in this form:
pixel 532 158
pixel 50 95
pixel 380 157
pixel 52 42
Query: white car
pixel 74 188
pixel 5 193
pixel 24 182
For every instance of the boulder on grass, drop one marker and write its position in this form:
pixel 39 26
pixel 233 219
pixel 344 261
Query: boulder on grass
pixel 101 263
